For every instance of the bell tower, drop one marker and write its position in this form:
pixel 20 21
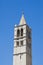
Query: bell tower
pixel 22 51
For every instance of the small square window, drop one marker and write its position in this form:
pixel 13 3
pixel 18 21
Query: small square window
pixel 17 43
pixel 21 43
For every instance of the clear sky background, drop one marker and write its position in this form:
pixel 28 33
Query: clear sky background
pixel 10 14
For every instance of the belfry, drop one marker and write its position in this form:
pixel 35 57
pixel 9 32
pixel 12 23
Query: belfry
pixel 22 51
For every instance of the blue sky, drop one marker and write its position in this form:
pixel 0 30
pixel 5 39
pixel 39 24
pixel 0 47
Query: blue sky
pixel 10 14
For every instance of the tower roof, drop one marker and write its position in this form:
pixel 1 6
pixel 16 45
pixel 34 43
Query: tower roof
pixel 22 21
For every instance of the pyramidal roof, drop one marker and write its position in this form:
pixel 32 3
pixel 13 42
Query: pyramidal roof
pixel 22 21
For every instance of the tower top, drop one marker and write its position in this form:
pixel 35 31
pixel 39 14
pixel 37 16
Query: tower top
pixel 22 21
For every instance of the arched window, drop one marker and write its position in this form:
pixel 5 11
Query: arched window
pixel 17 43
pixel 21 43
pixel 18 33
pixel 21 32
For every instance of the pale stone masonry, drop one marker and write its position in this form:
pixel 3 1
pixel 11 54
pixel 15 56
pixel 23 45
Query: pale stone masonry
pixel 22 51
